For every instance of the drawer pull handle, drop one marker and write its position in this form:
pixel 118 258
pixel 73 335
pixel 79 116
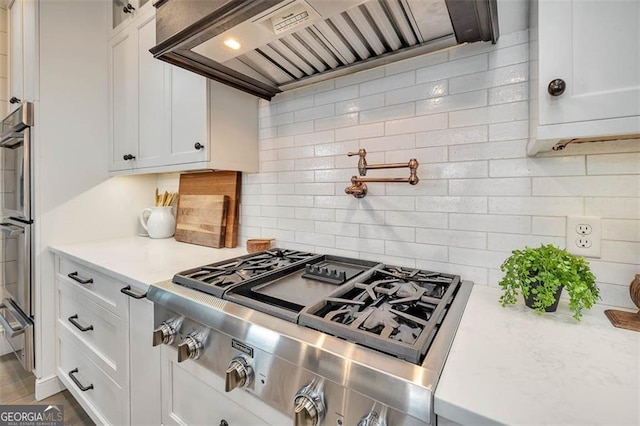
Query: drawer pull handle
pixel 128 292
pixel 72 320
pixel 74 276
pixel 77 382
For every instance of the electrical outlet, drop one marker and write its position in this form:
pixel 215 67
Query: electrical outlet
pixel 584 235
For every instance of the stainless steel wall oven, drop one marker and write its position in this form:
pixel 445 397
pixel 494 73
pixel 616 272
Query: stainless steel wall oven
pixel 16 293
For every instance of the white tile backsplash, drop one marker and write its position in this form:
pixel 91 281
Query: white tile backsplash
pixel 463 114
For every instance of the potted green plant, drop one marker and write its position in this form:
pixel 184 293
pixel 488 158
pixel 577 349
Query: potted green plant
pixel 541 273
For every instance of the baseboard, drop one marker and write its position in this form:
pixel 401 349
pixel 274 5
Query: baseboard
pixel 48 386
pixel 5 348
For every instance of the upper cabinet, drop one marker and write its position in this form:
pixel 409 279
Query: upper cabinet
pixel 124 11
pixel 164 118
pixel 22 17
pixel 585 71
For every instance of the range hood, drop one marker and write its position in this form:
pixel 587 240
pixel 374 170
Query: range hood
pixel 264 47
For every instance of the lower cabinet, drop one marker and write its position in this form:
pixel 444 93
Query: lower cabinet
pixel 193 395
pixel 104 351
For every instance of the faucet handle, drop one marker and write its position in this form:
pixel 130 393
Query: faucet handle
pixel 361 152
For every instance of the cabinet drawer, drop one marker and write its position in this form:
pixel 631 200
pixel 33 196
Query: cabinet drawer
pixel 103 290
pixel 101 330
pixel 103 398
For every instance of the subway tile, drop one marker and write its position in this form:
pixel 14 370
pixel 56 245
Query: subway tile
pixel 475 257
pixel 268 155
pixel 249 210
pixel 312 213
pixel 314 163
pixel 280 235
pixel 614 164
pixel 537 206
pixel 470 65
pixel 488 150
pixel 322 240
pixel 341 201
pixel 295 128
pixel 452 103
pixel 509 56
pixel 308 114
pixel 435 89
pixel 452 238
pixel 615 295
pixel 278 212
pixel 340 252
pixel 335 175
pixel 346 162
pixel 360 132
pixel 388 113
pixel 422 123
pixel 314 189
pixel 418 251
pixel 260 200
pixel 336 95
pixel 337 228
pixel 386 232
pixel 466 272
pixel 490 223
pixel 592 186
pixel 493 186
pixel 314 138
pixel 296 177
pixel 319 87
pixel 614 273
pixel 467 169
pixel 424 187
pixel 551 226
pixel 621 252
pixel 388 202
pixel 614 208
pixel 260 177
pixel 292 224
pixel 452 204
pixel 276 188
pixel 495 77
pixel 359 77
pixel 276 120
pixel 463 135
pixel 360 104
pixel 293 153
pixel 296 200
pixel 267 109
pixel 267 133
pixel 269 222
pixel 505 40
pixel 416 62
pixel 509 242
pixel 290 105
pixel 621 230
pixel 508 131
pixel 339 148
pixel 276 143
pixel 391 260
pixel 360 244
pixel 386 84
pixel 552 166
pixel 423 155
pixel 507 94
pixel 276 166
pixel 338 121
pixel 372 217
pixel 493 114
pixel 385 144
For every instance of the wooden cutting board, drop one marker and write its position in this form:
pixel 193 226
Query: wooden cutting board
pixel 217 183
pixel 202 219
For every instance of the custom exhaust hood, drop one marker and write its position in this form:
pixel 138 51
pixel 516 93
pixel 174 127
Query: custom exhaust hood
pixel 264 47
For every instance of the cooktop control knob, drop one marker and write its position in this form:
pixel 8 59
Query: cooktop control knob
pixel 166 333
pixel 239 374
pixel 309 405
pixel 373 419
pixel 190 348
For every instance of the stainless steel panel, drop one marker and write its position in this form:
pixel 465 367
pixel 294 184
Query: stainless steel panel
pixel 304 52
pixel 316 45
pixel 401 21
pixel 267 68
pixel 292 56
pixel 18 330
pixel 17 264
pixel 383 24
pixel 366 28
pixel 281 60
pixel 348 32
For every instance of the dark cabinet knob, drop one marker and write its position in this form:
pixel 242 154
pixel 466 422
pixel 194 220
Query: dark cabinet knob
pixel 223 422
pixel 14 100
pixel 128 8
pixel 198 146
pixel 128 157
pixel 556 87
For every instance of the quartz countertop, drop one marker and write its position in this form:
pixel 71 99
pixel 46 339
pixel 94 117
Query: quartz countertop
pixel 143 260
pixel 513 366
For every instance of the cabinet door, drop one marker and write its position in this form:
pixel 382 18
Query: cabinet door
pixel 153 76
pixel 188 117
pixel 593 47
pixel 16 49
pixel 144 362
pixel 123 90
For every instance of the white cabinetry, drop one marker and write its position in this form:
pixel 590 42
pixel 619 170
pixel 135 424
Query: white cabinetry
pixel 22 17
pixel 164 118
pixel 594 48
pixel 123 11
pixel 104 352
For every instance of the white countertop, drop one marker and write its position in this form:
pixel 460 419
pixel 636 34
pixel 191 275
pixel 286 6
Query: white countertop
pixel 143 260
pixel 513 366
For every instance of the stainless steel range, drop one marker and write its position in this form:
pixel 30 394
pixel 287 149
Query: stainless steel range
pixel 322 339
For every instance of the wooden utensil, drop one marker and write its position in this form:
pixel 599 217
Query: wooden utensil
pixel 217 183
pixel 628 320
pixel 202 219
pixel 258 244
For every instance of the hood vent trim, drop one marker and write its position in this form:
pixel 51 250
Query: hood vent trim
pixel 370 34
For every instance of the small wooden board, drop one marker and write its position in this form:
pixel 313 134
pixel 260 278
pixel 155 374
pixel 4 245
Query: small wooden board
pixel 622 319
pixel 202 219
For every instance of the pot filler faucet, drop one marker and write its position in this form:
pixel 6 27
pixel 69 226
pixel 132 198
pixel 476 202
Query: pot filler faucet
pixel 358 187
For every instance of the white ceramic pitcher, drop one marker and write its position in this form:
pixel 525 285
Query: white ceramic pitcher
pixel 159 223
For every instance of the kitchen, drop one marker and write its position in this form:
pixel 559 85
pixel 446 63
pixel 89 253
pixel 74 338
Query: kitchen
pixel 463 113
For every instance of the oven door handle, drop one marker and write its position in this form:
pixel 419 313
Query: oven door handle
pixel 8 329
pixel 11 230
